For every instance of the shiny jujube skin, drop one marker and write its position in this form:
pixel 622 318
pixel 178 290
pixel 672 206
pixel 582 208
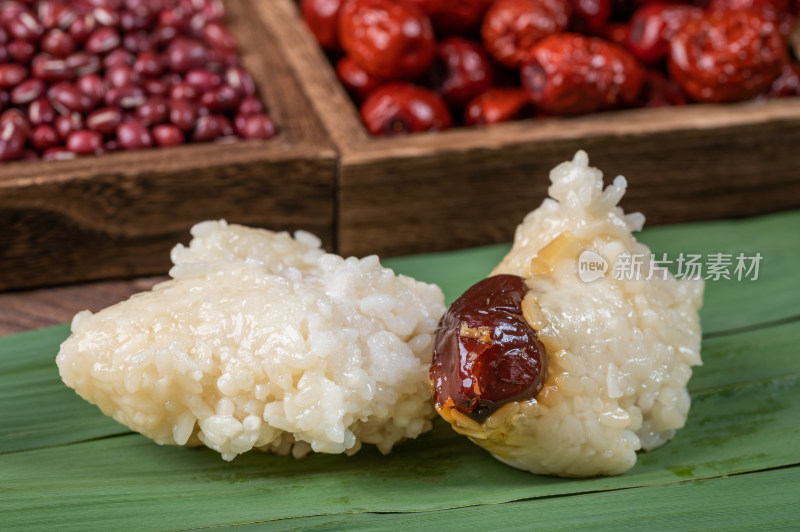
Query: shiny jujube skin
pixel 782 12
pixel 462 72
pixel 399 108
pixel 355 79
pixel 485 353
pixel 452 17
pixel 727 56
pixel 322 17
pixel 659 91
pixel 497 105
pixel 511 27
pixel 570 74
pixel 654 25
pixel 591 14
pixel 387 38
pixel 787 84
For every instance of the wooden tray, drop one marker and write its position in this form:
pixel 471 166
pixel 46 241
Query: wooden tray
pixel 118 215
pixel 473 186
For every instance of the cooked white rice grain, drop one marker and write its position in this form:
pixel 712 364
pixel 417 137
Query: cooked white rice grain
pixel 262 341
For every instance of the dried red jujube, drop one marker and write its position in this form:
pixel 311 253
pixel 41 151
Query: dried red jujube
pixel 570 74
pixel 485 353
pixel 727 56
pixel 455 17
pixel 322 18
pixel 654 25
pixel 462 71
pixel 401 108
pixel 389 39
pixel 355 79
pixel 497 105
pixel 512 27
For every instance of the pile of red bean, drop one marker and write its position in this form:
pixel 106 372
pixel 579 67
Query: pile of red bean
pixel 85 77
pixel 420 65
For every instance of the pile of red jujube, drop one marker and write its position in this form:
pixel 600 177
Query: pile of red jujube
pixel 87 77
pixel 421 65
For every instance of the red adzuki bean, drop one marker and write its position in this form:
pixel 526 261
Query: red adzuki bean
pixel 184 54
pixel 118 57
pixel 40 111
pixel 12 141
pixel 102 41
pixel 184 114
pixel 122 76
pixel 221 99
pixel 48 68
pixel 240 80
pixel 28 91
pixel 149 63
pixel 106 16
pixel 16 117
pixel 127 97
pixel 211 127
pixel 21 51
pixel 85 142
pixel 93 76
pixel 57 43
pixel 82 63
pixel 258 126
pixel 218 37
pixel 66 98
pixel 12 75
pixel 25 27
pixel 133 135
pixel 82 27
pixel 154 111
pixel 105 120
pixel 203 80
pixel 58 154
pixel 250 106
pixel 67 124
pixel 44 136
pixel 141 42
pixel 93 86
pixel 168 135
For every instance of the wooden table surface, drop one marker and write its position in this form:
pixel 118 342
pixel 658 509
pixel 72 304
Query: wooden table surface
pixel 34 309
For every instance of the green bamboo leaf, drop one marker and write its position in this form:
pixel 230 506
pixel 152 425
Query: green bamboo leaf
pixel 38 409
pixel 30 350
pixel 759 354
pixel 732 304
pixel 760 501
pixel 452 271
pixel 731 430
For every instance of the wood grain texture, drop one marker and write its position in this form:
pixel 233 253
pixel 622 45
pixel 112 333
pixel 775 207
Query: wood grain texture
pixel 118 215
pixel 26 310
pixel 472 186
